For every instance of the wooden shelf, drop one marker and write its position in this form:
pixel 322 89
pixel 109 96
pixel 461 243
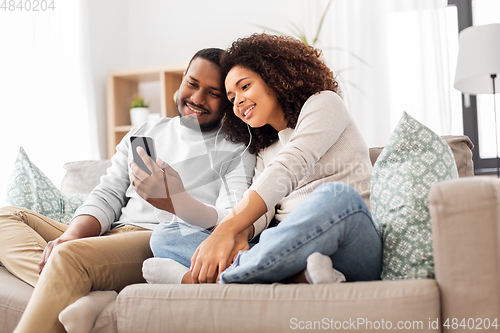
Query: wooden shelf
pixel 124 85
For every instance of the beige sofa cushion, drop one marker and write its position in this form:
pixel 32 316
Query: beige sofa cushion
pixel 461 147
pixel 275 308
pixel 14 296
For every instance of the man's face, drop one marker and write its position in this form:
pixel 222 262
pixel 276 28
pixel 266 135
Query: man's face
pixel 200 96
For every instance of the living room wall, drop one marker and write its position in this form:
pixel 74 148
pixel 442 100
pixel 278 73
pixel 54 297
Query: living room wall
pixel 170 32
pixel 137 33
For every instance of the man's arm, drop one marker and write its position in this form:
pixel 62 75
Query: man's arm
pixel 82 226
pixel 164 188
pixel 236 177
pixel 104 202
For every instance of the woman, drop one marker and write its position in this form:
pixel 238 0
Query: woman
pixel 309 152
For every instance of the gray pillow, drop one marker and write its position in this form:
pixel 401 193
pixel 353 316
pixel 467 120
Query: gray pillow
pixel 29 188
pixel 414 159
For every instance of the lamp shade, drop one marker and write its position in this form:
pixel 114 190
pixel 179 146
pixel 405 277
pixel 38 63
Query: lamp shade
pixel 478 58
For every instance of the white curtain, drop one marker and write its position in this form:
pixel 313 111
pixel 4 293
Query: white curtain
pixel 391 56
pixel 47 99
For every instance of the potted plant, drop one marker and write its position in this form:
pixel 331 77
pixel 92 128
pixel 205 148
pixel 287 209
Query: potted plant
pixel 139 111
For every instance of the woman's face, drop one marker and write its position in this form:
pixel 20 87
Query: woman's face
pixel 253 101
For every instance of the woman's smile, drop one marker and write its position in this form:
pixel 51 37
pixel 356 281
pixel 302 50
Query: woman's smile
pixel 253 101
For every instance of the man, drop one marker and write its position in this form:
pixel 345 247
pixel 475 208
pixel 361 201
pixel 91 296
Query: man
pixel 127 205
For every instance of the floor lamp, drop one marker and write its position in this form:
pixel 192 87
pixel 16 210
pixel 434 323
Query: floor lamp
pixel 478 65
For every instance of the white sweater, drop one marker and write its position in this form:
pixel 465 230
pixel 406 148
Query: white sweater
pixel 202 164
pixel 325 146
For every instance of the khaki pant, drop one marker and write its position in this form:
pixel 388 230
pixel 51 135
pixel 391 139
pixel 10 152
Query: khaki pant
pixel 74 268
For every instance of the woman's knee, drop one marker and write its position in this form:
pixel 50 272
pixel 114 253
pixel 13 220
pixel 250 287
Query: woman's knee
pixel 336 189
pixel 342 195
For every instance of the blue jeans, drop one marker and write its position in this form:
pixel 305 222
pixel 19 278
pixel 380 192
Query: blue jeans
pixel 333 220
pixel 177 241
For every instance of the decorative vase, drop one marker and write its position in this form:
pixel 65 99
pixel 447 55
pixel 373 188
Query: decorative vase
pixel 138 116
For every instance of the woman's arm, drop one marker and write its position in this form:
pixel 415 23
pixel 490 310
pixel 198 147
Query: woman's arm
pixel 322 120
pixel 214 254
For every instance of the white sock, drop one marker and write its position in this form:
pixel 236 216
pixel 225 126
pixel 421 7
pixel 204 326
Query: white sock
pixel 80 316
pixel 319 270
pixel 163 270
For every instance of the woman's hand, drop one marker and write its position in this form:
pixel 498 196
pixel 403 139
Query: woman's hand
pixel 212 256
pixel 241 243
pixel 159 187
pixel 216 253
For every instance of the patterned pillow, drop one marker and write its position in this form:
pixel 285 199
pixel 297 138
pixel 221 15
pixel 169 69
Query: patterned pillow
pixel 29 188
pixel 414 159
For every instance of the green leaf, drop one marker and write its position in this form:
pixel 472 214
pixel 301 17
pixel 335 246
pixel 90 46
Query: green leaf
pixel 321 23
pixel 138 102
pixel 300 33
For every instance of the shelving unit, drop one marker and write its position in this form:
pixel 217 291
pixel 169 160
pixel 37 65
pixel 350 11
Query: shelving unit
pixel 124 85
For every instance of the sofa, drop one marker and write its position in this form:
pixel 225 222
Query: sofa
pixel 463 296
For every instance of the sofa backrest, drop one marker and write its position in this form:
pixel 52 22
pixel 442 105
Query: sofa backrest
pixel 461 147
pixel 83 176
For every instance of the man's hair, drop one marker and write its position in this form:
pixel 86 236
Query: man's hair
pixel 211 54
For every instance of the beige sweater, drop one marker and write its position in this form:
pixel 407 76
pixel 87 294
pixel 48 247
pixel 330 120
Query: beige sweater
pixel 325 146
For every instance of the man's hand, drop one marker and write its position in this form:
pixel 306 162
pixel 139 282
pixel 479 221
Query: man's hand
pixel 48 251
pixel 159 187
pixel 80 227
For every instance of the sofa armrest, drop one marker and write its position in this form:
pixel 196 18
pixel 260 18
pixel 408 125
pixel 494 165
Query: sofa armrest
pixel 465 217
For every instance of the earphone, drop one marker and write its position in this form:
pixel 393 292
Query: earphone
pixel 215 149
pixel 220 170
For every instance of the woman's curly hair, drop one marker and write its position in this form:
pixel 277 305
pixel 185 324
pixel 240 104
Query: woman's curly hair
pixel 292 69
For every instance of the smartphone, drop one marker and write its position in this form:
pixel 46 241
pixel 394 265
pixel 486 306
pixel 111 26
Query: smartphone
pixel 147 143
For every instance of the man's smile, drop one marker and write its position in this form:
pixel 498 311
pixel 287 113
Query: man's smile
pixel 196 110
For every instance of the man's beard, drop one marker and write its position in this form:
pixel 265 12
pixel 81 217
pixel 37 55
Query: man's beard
pixel 193 123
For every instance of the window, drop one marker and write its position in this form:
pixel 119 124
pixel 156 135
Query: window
pixel 478 116
pixel 45 89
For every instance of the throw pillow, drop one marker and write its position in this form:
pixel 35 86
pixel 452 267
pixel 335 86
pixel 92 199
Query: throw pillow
pixel 29 188
pixel 414 159
pixel 83 176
